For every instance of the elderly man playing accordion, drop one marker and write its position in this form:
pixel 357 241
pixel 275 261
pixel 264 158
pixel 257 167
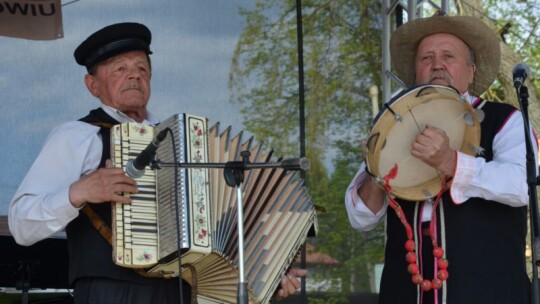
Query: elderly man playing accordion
pixel 74 169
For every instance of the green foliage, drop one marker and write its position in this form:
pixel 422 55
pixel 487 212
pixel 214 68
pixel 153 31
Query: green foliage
pixel 359 250
pixel 264 74
pixel 522 36
pixel 342 59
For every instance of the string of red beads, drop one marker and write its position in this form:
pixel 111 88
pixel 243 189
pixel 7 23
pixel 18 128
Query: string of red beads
pixel 410 244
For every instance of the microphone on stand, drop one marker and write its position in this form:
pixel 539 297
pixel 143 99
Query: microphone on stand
pixel 520 73
pixel 135 167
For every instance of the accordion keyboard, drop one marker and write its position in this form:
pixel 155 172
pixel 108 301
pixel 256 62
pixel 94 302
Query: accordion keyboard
pixel 170 204
pixel 136 225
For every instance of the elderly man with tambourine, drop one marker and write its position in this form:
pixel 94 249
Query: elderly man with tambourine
pixel 451 167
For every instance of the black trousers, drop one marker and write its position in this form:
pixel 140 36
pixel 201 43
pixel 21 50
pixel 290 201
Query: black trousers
pixel 108 291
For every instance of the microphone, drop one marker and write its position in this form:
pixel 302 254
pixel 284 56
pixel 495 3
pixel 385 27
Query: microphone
pixel 520 73
pixel 135 167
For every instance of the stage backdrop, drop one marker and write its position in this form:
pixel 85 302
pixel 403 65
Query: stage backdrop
pixel 42 86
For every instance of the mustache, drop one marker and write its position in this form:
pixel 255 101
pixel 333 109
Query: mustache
pixel 440 74
pixel 132 85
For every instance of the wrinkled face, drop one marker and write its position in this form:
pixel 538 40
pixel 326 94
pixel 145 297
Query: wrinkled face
pixel 122 82
pixel 446 60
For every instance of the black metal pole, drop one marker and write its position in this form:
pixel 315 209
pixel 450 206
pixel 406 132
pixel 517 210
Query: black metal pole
pixel 292 164
pixel 523 95
pixel 301 119
pixel 301 97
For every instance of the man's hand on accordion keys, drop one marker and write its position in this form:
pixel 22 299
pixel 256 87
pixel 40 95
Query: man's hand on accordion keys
pixel 103 185
pixel 290 283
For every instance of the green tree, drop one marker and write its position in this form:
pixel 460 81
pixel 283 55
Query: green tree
pixel 337 75
pixel 342 59
pixel 520 43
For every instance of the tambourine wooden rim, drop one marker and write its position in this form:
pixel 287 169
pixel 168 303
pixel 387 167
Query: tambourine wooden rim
pixel 396 126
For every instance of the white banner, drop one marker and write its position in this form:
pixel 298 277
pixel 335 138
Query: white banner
pixel 31 19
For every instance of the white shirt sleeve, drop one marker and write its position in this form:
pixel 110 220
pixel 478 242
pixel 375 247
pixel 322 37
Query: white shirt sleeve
pixel 41 206
pixel 504 179
pixel 360 216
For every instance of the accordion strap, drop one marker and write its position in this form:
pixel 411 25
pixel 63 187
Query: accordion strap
pixel 98 223
pixel 194 286
pixel 106 233
pixel 105 125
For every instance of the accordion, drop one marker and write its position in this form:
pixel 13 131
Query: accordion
pixel 194 211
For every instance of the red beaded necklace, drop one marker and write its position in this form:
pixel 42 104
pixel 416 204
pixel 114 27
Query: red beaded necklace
pixel 410 245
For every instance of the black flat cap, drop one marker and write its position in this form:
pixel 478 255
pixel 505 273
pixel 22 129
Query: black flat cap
pixel 113 40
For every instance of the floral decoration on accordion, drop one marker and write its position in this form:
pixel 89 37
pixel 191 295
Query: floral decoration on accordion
pixel 144 257
pixel 199 181
pixel 138 130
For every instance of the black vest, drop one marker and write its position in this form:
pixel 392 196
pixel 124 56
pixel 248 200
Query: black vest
pixel 485 242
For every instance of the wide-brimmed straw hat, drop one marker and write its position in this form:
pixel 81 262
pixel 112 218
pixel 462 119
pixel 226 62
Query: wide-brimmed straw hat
pixel 474 32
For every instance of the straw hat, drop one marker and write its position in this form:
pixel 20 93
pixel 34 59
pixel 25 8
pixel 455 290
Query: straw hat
pixel 474 32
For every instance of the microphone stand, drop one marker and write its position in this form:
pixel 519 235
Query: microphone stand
pixel 25 271
pixel 234 177
pixel 523 95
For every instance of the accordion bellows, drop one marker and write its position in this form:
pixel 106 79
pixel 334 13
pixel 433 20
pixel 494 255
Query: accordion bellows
pixel 277 210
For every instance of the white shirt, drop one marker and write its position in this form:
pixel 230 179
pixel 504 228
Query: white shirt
pixel 504 179
pixel 41 205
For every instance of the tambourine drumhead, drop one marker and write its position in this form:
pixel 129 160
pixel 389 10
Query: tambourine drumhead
pixel 396 127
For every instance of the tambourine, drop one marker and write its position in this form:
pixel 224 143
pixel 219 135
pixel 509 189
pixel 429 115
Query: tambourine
pixel 396 126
